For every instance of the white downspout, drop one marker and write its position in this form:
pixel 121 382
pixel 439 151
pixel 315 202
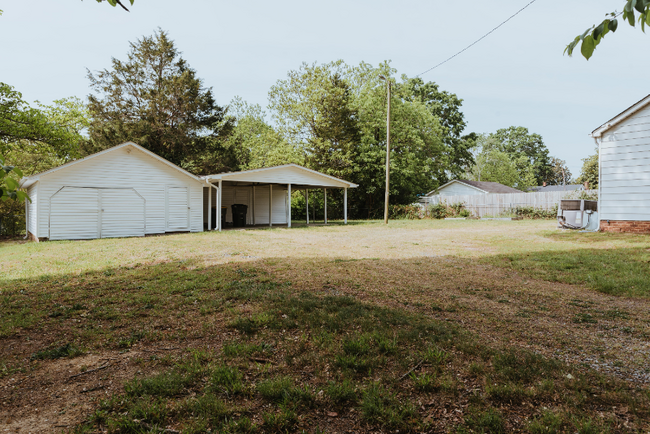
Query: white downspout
pixel 600 168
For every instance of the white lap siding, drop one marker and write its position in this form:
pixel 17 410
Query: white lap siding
pixel 32 191
pixel 262 205
pixel 123 168
pixel 625 169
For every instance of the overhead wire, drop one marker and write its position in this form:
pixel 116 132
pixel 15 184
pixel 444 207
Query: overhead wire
pixel 478 40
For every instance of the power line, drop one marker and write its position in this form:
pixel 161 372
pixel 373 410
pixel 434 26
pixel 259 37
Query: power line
pixel 478 40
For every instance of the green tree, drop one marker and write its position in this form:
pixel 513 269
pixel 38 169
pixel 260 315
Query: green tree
pixel 591 37
pixel 517 142
pixel 36 138
pixel 589 172
pixel 254 143
pixel 494 165
pixel 336 114
pixel 445 106
pixel 156 100
pixel 560 173
pixel 313 109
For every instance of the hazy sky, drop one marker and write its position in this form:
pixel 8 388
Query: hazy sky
pixel 516 76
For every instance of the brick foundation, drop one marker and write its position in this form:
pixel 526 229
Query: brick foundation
pixel 635 227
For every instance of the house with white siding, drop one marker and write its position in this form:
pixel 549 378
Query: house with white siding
pixel 624 170
pixel 460 187
pixel 128 191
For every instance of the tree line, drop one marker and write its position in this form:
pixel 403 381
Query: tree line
pixel 329 117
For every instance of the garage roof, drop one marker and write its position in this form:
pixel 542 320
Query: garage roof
pixel 27 181
pixel 287 174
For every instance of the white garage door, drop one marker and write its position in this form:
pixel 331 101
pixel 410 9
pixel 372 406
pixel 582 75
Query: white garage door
pixel 85 213
pixel 74 214
pixel 123 213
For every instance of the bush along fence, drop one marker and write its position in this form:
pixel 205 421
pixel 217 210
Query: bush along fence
pixel 12 224
pixel 527 205
pixel 438 211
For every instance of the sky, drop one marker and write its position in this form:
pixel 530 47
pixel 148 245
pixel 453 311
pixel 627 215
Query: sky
pixel 517 76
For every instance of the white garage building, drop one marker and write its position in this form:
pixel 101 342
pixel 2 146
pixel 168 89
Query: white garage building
pixel 128 191
pixel 124 191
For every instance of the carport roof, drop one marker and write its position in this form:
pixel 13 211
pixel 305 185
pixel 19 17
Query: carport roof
pixel 286 174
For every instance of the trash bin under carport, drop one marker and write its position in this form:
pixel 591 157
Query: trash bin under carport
pixel 239 215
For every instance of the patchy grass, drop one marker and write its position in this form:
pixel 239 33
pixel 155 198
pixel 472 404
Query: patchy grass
pixel 290 335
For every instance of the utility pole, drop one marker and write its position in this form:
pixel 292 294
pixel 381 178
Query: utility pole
pixel 388 84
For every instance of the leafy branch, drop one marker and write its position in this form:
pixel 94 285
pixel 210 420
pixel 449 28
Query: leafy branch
pixel 590 39
pixel 9 187
pixel 116 2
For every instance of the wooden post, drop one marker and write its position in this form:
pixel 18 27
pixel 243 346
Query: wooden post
pixel 345 206
pixel 270 205
pixel 325 202
pixel 219 197
pixel 209 206
pixel 288 205
pixel 307 202
pixel 253 207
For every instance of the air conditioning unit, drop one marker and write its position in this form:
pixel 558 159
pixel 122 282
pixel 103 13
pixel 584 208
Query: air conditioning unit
pixel 577 214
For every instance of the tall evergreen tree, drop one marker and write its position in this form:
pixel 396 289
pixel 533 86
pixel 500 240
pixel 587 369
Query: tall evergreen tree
pixel 156 100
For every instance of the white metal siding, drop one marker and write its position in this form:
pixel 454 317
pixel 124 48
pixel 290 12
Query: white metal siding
pixel 625 169
pixel 123 169
pixel 32 191
pixel 262 205
pixel 457 189
pixel 177 209
pixel 123 213
pixel 74 214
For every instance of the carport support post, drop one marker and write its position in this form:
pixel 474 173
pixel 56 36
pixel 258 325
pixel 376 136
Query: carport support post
pixel 219 191
pixel 270 205
pixel 345 206
pixel 307 203
pixel 209 206
pixel 253 213
pixel 288 205
pixel 325 200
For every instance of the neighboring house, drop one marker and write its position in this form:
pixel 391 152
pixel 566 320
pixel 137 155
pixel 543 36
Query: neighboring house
pixel 547 188
pixel 459 187
pixel 128 191
pixel 624 170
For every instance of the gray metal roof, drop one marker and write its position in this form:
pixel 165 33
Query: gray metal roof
pixel 490 187
pixel 570 187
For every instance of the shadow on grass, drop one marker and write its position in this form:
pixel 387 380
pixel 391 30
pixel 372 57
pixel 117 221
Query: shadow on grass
pixel 614 271
pixel 286 346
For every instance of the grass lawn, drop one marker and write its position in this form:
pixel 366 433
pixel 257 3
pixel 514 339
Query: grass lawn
pixel 421 326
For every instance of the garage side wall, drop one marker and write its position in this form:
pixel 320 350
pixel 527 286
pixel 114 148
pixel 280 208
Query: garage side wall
pixel 625 170
pixel 32 210
pixel 126 167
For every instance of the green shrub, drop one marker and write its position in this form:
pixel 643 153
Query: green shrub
pixel 529 212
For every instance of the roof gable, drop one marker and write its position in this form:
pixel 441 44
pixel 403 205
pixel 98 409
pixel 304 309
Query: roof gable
pixel 27 181
pixel 598 132
pixel 285 174
pixel 482 186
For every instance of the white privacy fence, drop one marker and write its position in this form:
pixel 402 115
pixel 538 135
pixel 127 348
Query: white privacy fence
pixel 494 204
